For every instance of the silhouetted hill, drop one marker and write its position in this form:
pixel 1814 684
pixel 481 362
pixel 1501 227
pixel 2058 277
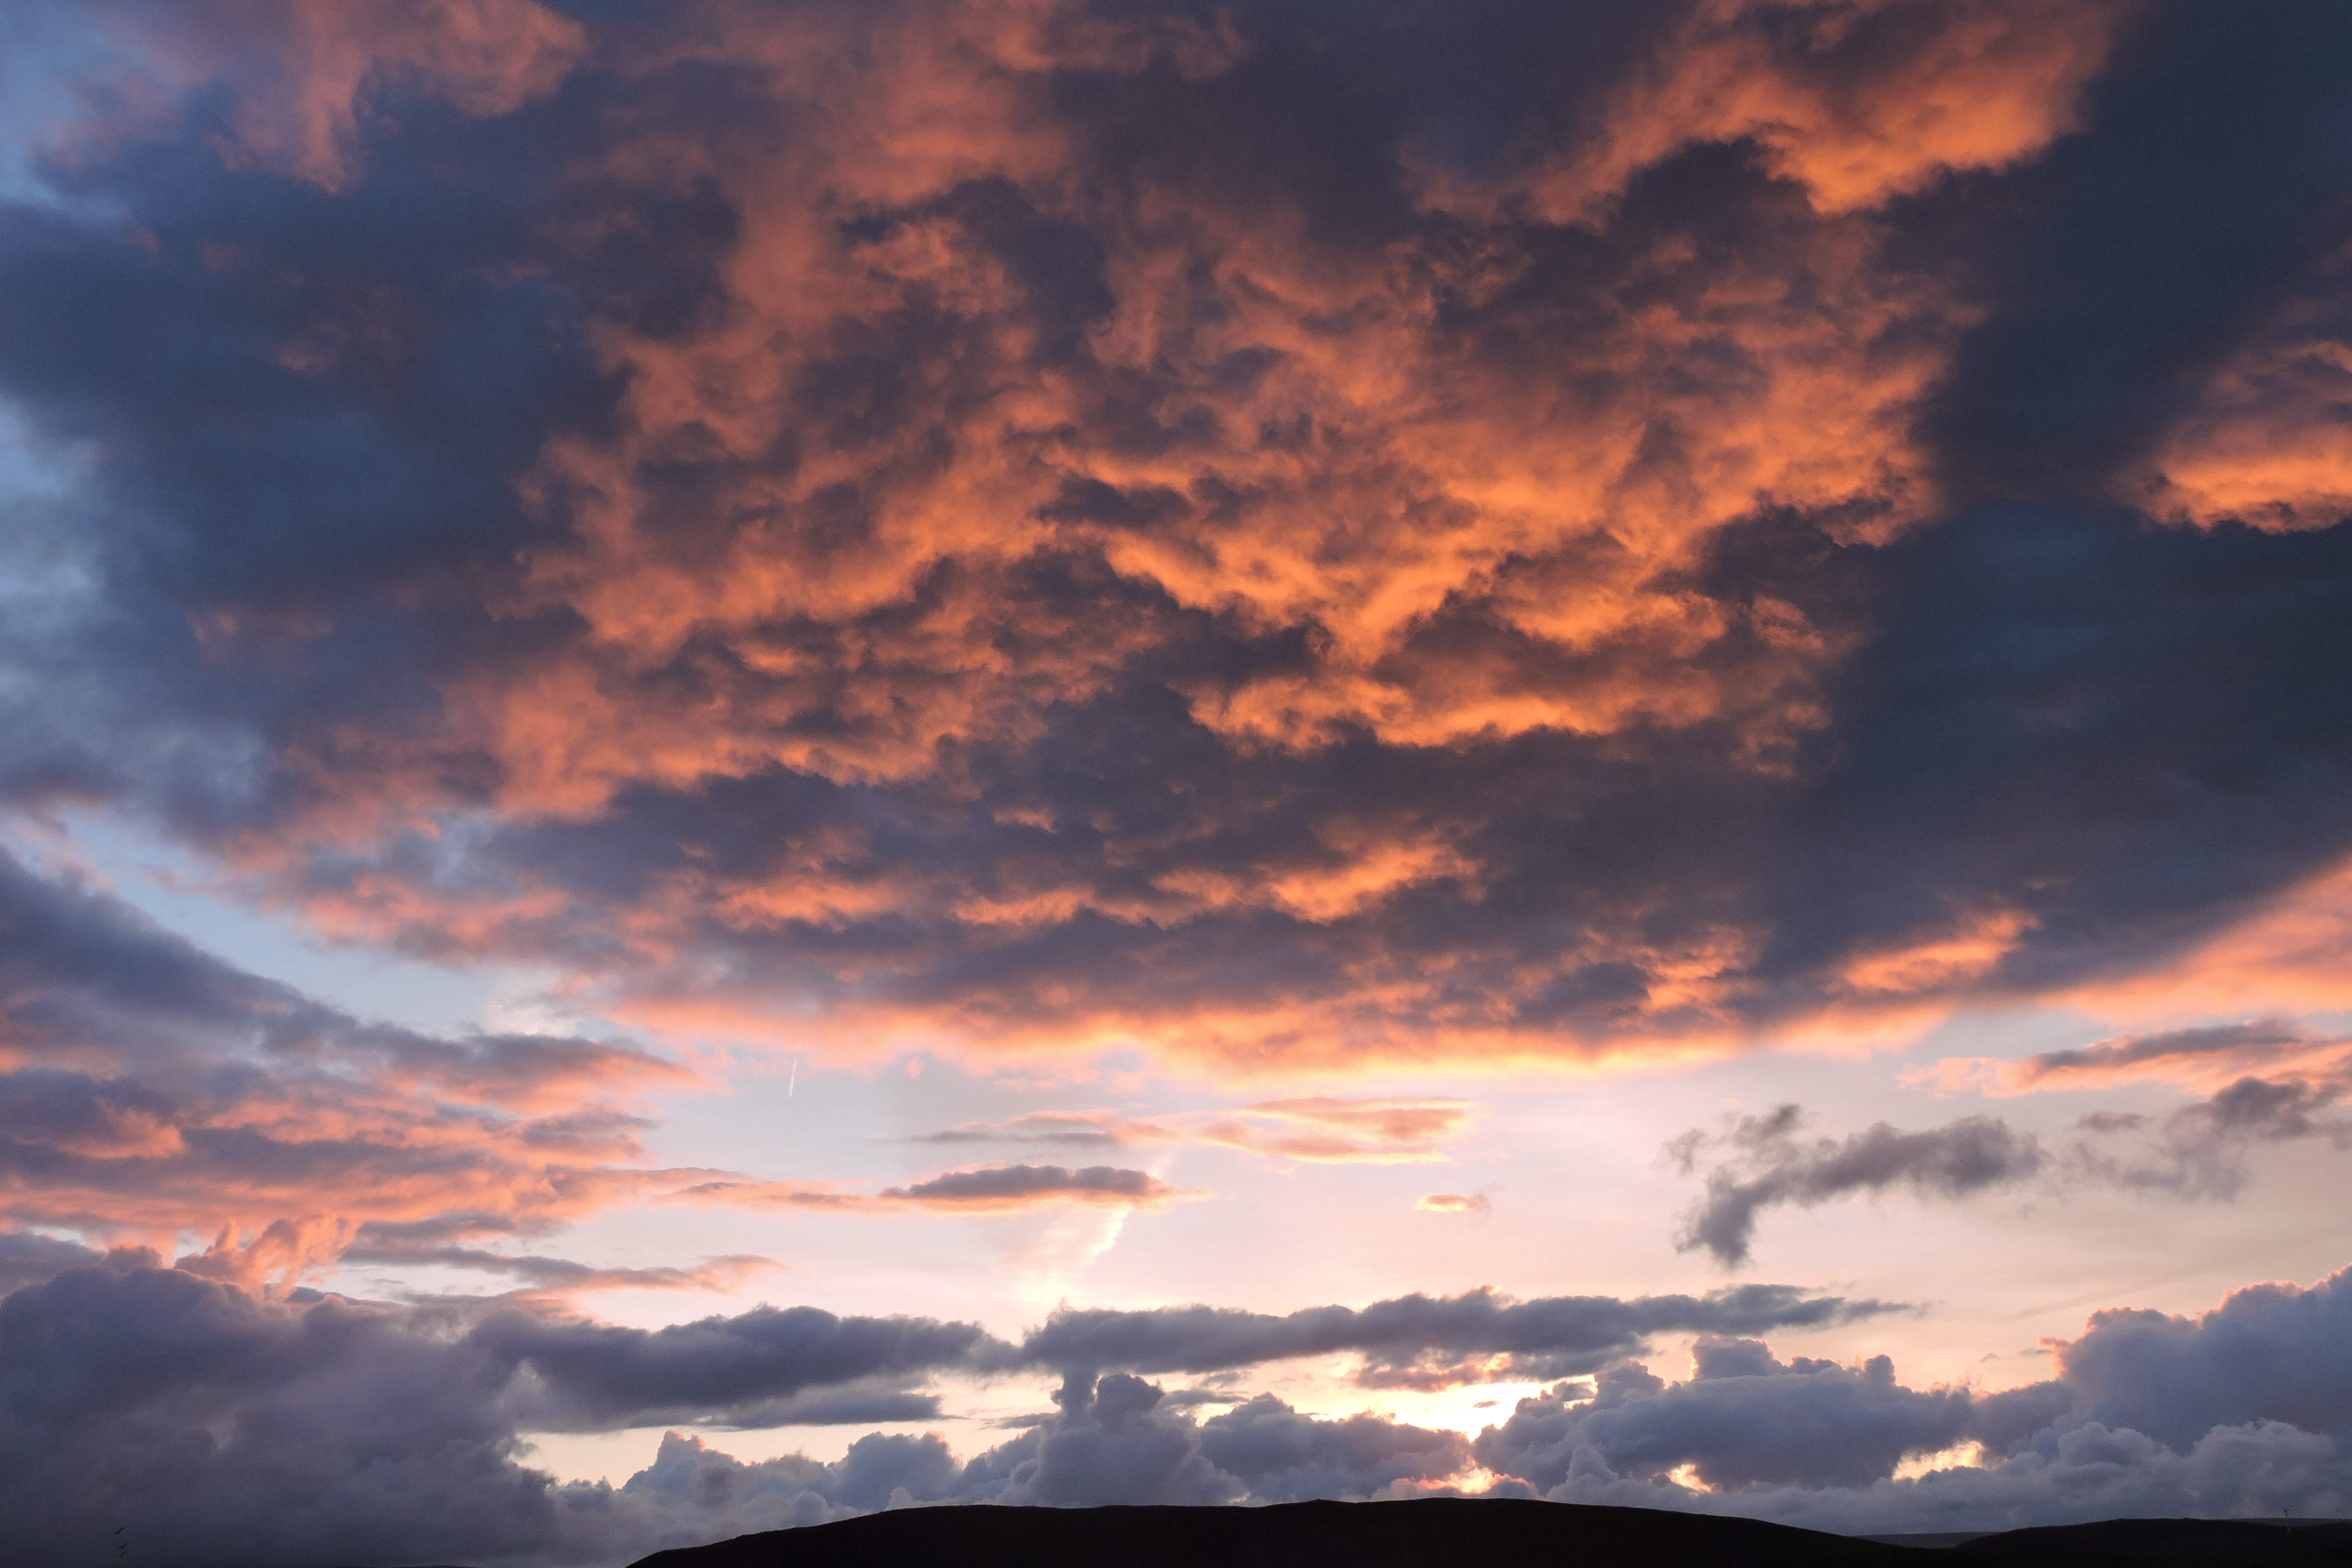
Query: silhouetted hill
pixel 1439 1532
pixel 2171 1542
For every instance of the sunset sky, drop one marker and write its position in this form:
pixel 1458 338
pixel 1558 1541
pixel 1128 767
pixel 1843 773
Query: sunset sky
pixel 760 760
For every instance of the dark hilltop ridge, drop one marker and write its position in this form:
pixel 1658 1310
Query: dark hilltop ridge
pixel 1430 1532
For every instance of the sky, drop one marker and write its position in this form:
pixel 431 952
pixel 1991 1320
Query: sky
pixel 769 759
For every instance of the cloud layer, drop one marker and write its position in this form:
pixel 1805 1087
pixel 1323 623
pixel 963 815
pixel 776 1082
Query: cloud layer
pixel 208 1423
pixel 1516 530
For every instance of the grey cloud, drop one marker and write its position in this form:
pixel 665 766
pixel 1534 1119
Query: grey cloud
pixel 594 1375
pixel 1015 1184
pixel 2200 1150
pixel 27 1258
pixel 2070 1474
pixel 1767 1164
pixel 2261 1038
pixel 215 1426
pixel 2268 1353
pixel 560 1273
pixel 1106 1445
pixel 1082 1130
pixel 1286 1456
pixel 89 982
pixel 1413 1341
pixel 2244 1409
pixel 1737 1421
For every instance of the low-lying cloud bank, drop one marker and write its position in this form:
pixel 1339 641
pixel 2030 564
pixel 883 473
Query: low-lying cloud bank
pixel 212 1424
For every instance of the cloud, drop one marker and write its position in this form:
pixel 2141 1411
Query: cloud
pixel 147 1087
pixel 1003 1188
pixel 27 1258
pixel 1768 1165
pixel 1413 1342
pixel 1455 1203
pixel 1529 570
pixel 199 1415
pixel 1068 1128
pixel 2206 1058
pixel 2240 1410
pixel 593 1377
pixel 553 1278
pixel 1333 1129
pixel 1732 1422
pixel 987 1189
pixel 1319 1129
pixel 2198 1151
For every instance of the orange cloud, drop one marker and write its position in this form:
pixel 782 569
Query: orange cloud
pixel 1032 570
pixel 2268 443
pixel 1860 101
pixel 1325 1130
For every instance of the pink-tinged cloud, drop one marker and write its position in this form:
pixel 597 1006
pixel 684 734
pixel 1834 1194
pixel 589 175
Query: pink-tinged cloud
pixel 1328 1129
pixel 990 1189
pixel 551 1282
pixel 148 1088
pixel 1323 1128
pixel 1453 1203
pixel 2207 1057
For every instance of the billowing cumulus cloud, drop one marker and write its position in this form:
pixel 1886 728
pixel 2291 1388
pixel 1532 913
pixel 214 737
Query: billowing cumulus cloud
pixel 1495 532
pixel 208 1420
pixel 2243 1410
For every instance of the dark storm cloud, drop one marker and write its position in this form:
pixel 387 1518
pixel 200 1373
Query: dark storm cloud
pixel 1420 1341
pixel 1733 618
pixel 1766 1164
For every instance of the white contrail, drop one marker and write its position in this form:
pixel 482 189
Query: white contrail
pixel 792 1082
